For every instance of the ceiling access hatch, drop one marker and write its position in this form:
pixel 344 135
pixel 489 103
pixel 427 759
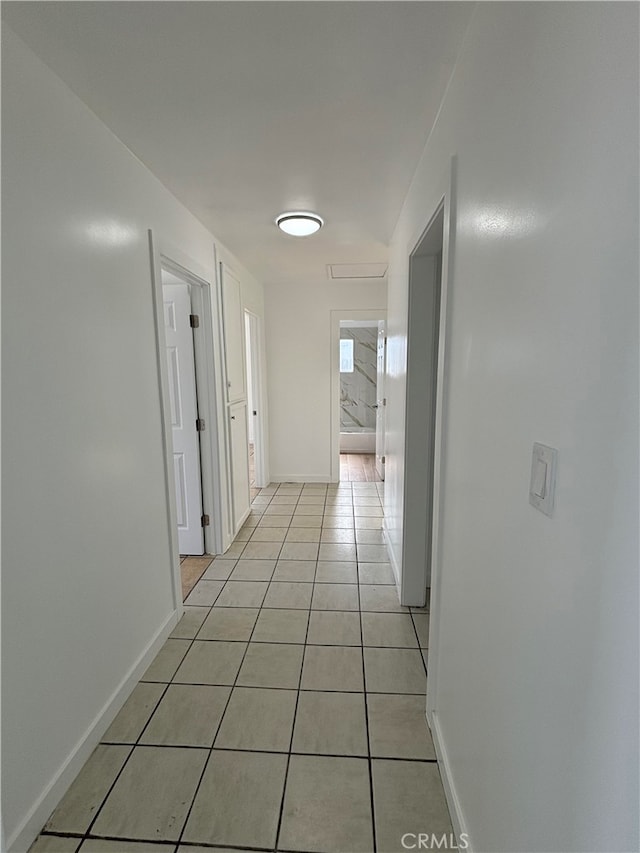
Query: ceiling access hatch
pixel 337 271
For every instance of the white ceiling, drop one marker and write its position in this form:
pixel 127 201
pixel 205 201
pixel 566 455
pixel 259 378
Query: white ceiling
pixel 245 109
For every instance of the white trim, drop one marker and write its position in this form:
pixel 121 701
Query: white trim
pixel 296 478
pixel 336 316
pixel 258 397
pixel 395 566
pixel 453 801
pixel 28 830
pixel 448 238
pixel 165 423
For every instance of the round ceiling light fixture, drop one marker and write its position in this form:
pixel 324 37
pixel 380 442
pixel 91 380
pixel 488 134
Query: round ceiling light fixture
pixel 299 223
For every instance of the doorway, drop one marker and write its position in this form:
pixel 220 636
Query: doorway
pixel 357 425
pixel 186 424
pixel 423 338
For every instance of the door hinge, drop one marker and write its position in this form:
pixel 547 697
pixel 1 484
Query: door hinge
pixel 199 424
pixel 385 340
pixel 194 321
pixel 204 521
pixel 384 402
pixel 384 459
pixel 255 413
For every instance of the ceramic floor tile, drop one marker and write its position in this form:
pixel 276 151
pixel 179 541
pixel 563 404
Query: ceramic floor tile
pixel 281 626
pixel 369 537
pixel 152 796
pixel 332 668
pixel 366 500
pixel 188 715
pixel 341 552
pixel 338 535
pixel 329 628
pixel 134 714
pixel 242 594
pixel 331 724
pixel 238 802
pixel 219 570
pixel 368 511
pixel 210 663
pixel 364 522
pixel 269 534
pixel 303 534
pixel 83 799
pixel 229 623
pixel 306 521
pixel 261 551
pixel 271 665
pixel 308 498
pixel 101 845
pixel 189 624
pixel 258 719
pixel 421 621
pixel 327 806
pixel 339 509
pixel 336 572
pixel 398 727
pixel 408 797
pixel 299 551
pixel 295 570
pixel 275 520
pixel 338 596
pixel 394 671
pixel 204 593
pixel 376 573
pixel 234 551
pixel 373 554
pixel 55 844
pixel 380 598
pixel 167 661
pixel 388 629
pixel 283 594
pixel 253 569
pixel 244 534
pixel 338 521
pixel 307 509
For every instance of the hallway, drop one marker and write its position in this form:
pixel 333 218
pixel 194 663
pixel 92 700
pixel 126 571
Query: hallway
pixel 286 711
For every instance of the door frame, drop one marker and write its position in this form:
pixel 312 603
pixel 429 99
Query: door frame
pixel 205 302
pixel 253 342
pixel 442 201
pixel 336 316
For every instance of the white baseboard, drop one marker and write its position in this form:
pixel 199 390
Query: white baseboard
pixel 29 828
pixel 392 557
pixel 455 809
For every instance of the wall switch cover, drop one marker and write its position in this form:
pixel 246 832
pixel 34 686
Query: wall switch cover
pixel 543 478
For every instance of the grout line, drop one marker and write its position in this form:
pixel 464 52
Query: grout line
pixel 366 717
pixel 295 716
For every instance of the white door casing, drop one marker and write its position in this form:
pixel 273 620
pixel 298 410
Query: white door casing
pixel 233 335
pixel 184 413
pixel 239 463
pixel 380 400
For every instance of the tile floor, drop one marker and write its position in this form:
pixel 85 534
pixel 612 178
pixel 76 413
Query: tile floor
pixel 358 467
pixel 285 712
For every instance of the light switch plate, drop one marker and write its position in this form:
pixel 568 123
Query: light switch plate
pixel 542 489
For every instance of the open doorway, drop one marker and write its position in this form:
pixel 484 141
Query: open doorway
pixel 357 397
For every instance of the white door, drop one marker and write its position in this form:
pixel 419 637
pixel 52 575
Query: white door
pixel 380 399
pixel 184 412
pixel 239 463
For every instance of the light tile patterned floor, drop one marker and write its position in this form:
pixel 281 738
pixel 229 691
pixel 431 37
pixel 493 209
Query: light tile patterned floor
pixel 286 711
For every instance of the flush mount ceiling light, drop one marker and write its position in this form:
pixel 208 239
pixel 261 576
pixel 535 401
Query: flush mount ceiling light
pixel 299 223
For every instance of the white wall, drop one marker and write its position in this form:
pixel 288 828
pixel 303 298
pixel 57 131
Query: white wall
pixel 87 575
pixel 298 332
pixel 537 696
